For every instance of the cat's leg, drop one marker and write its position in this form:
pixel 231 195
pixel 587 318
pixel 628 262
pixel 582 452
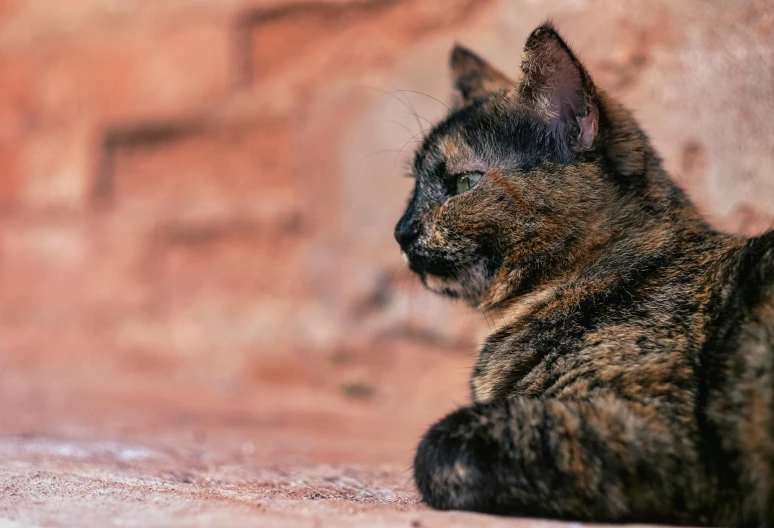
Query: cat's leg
pixel 600 459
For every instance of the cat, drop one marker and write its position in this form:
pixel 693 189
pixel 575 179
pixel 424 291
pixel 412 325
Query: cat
pixel 628 375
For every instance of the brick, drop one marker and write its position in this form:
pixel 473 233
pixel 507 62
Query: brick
pixel 19 18
pixel 9 174
pixel 57 163
pixel 227 237
pixel 232 291
pixel 58 94
pixel 68 263
pixel 240 260
pixel 298 42
pixel 151 202
pixel 132 72
pixel 16 122
pixel 216 174
pixel 23 22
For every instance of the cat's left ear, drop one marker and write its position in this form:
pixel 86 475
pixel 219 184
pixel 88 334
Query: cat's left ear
pixel 557 86
pixel 474 77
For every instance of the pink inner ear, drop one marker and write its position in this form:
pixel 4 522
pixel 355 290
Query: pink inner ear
pixel 588 126
pixel 554 83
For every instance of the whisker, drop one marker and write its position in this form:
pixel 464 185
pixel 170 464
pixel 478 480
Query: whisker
pixel 483 311
pixel 430 96
pixel 403 126
pixel 411 107
pixel 394 97
pixel 419 117
pixel 406 143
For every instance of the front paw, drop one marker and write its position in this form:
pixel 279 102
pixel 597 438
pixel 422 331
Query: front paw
pixel 457 461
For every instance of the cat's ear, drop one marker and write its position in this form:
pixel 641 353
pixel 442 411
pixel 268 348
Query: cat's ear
pixel 474 77
pixel 556 85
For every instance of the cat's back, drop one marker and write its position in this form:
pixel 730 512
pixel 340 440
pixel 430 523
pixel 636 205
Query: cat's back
pixel 736 376
pixel 742 283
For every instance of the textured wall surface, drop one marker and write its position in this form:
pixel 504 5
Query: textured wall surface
pixel 215 182
pixel 203 193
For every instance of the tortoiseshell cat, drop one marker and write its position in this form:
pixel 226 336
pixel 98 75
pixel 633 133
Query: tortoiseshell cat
pixel 629 376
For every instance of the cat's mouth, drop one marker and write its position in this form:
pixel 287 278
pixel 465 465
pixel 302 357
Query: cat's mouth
pixel 453 275
pixel 436 265
pixel 470 283
pixel 443 286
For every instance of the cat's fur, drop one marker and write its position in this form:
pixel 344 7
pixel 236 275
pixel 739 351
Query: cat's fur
pixel 629 372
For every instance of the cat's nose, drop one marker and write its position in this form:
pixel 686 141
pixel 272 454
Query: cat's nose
pixel 405 234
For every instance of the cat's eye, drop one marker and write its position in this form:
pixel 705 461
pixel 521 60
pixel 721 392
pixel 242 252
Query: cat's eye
pixel 467 181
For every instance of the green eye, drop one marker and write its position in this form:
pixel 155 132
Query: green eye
pixel 467 181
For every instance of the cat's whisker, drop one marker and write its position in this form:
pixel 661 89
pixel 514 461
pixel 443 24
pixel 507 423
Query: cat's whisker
pixel 411 107
pixel 405 144
pixel 388 93
pixel 427 95
pixel 402 100
pixel 403 126
pixel 419 117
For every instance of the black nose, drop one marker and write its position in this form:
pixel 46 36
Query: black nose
pixel 405 234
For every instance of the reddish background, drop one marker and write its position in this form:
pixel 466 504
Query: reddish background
pixel 197 201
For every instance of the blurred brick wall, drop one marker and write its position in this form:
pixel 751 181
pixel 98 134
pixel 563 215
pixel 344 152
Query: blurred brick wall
pixel 214 183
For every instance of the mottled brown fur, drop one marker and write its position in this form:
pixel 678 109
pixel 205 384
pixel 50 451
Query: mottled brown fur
pixel 629 371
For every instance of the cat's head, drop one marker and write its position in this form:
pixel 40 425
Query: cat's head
pixel 510 180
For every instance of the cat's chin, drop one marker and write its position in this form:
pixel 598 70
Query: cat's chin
pixel 471 285
pixel 442 286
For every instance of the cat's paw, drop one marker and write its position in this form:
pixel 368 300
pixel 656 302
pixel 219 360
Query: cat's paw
pixel 457 461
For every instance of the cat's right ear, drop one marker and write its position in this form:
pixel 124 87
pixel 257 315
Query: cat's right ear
pixel 474 77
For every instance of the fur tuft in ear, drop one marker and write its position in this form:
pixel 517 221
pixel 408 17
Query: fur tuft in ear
pixel 556 85
pixel 474 77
